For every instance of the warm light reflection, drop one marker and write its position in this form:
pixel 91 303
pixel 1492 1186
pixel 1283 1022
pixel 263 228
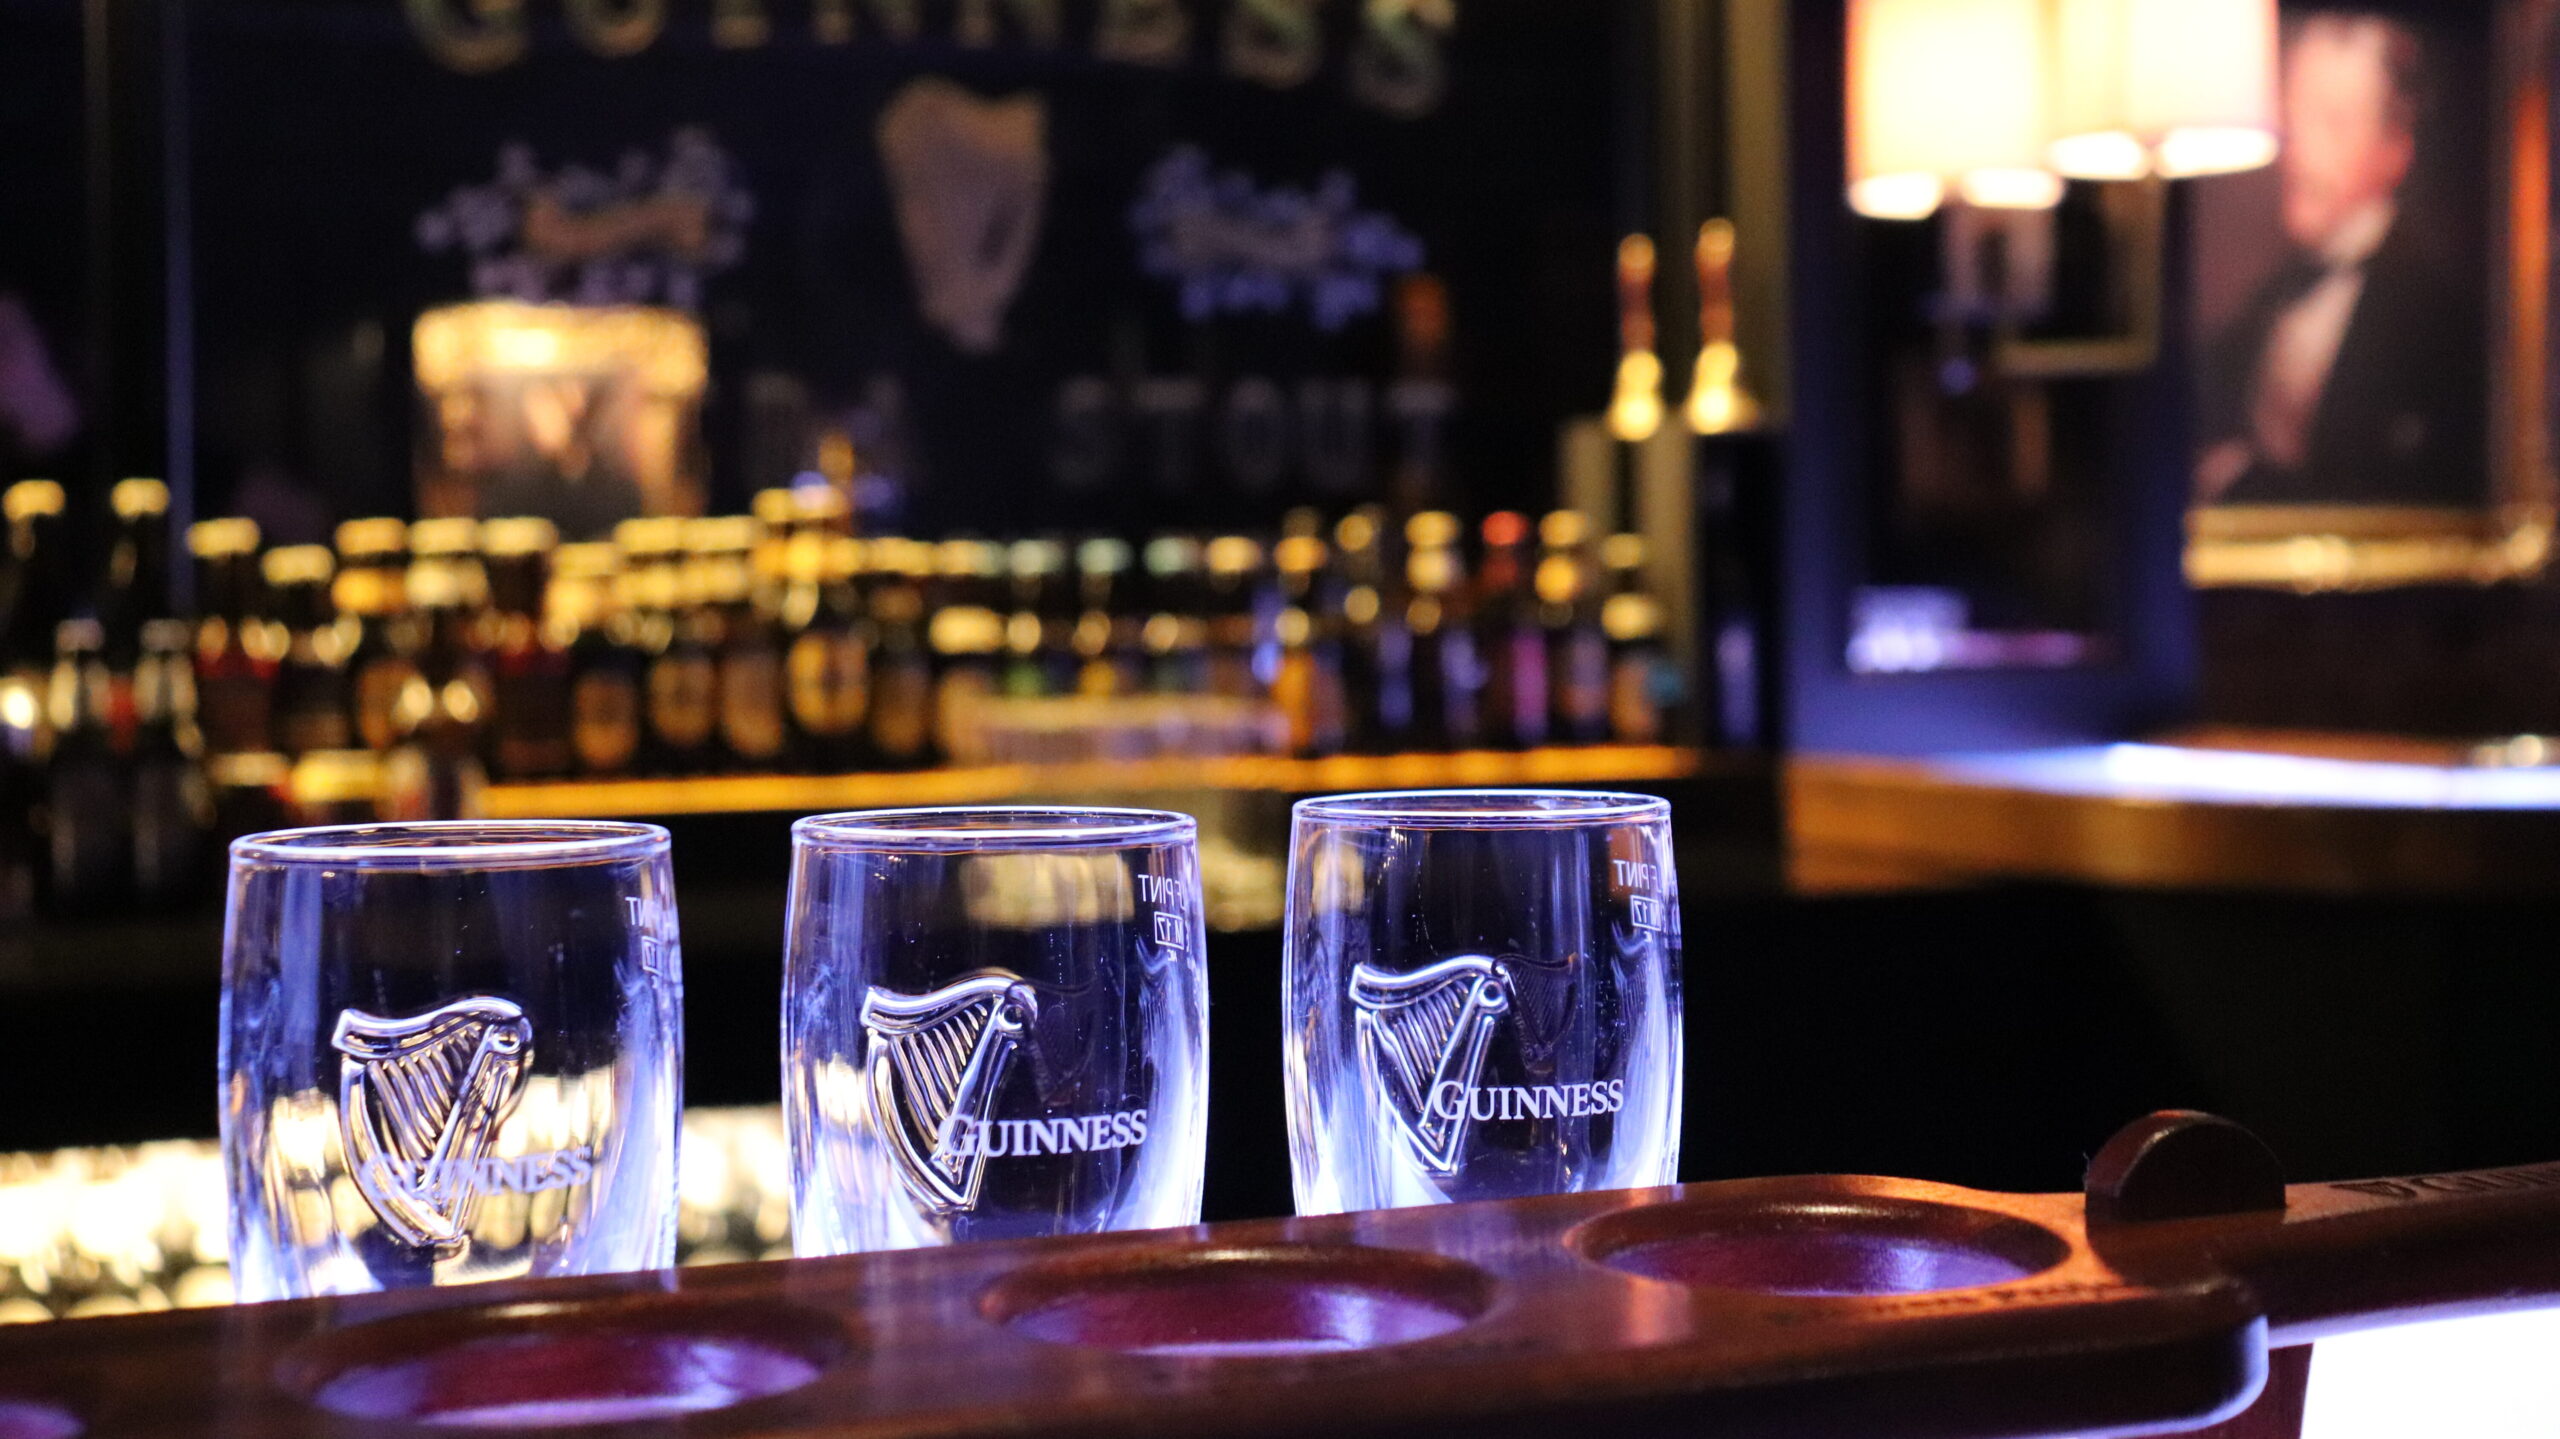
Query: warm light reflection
pixel 2210 776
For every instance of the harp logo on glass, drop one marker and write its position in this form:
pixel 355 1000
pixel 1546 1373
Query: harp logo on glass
pixel 420 1101
pixel 937 1065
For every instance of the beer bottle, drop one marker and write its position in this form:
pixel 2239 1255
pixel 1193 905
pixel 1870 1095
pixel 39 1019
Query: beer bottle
pixel 1377 647
pixel 88 805
pixel 1308 687
pixel 1510 644
pixel 1440 615
pixel 1239 667
pixel 585 620
pixel 236 645
pixel 137 590
pixel 776 513
pixel 1039 626
pixel 829 664
pixel 1644 686
pixel 436 770
pixel 528 669
pixel 751 732
pixel 372 592
pixel 309 707
pixel 902 670
pixel 34 597
pixel 172 797
pixel 1577 651
pixel 1176 633
pixel 968 636
pixel 681 677
pixel 1108 619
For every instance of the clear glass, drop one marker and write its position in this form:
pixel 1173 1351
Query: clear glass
pixel 1482 997
pixel 450 1052
pixel 995 1024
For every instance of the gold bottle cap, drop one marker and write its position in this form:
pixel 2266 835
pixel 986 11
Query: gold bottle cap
pixel 654 536
pixel 28 498
pixel 298 565
pixel 1358 531
pixel 845 557
pixel 774 508
pixel 590 561
pixel 216 539
pixel 1432 528
pixel 372 538
pixel 1623 552
pixel 1432 569
pixel 720 535
pixel 1300 554
pixel 1234 555
pixel 968 559
pixel 1564 529
pixel 134 499
pixel 444 537
pixel 438 584
pixel 1172 554
pixel 1036 557
pixel 518 535
pixel 1103 556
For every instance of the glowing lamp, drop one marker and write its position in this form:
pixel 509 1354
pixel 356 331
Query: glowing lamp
pixel 1948 97
pixel 2168 87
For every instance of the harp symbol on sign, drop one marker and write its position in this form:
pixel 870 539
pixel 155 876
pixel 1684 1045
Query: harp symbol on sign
pixel 1422 1030
pixel 419 1105
pixel 937 1063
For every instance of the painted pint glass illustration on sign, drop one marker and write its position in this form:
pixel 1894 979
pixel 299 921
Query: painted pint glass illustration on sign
pixel 450 1052
pixel 1481 997
pixel 995 1025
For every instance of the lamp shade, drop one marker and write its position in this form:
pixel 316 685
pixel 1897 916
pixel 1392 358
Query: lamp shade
pixel 2180 87
pixel 1948 96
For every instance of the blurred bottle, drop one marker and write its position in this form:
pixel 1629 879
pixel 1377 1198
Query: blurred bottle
pixel 902 674
pixel 88 804
pixel 681 669
pixel 34 600
pixel 755 732
pixel 1308 687
pixel 1446 676
pixel 529 677
pixel 436 770
pixel 173 809
pixel 1644 686
pixel 1377 649
pixel 237 646
pixel 1175 635
pixel 1039 627
pixel 137 580
pixel 309 704
pixel 829 665
pixel 588 623
pixel 968 636
pixel 371 592
pixel 1237 633
pixel 1109 621
pixel 1577 651
pixel 1510 644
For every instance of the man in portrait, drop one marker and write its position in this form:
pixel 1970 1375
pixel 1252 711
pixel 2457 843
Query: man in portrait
pixel 2357 372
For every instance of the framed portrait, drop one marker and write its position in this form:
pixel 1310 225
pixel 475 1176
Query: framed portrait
pixel 2373 403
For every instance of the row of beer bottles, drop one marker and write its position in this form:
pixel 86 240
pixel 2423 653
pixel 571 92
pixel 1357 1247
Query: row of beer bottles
pixel 103 798
pixel 778 640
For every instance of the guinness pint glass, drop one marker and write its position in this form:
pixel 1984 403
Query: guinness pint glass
pixel 995 1025
pixel 1481 997
pixel 450 1052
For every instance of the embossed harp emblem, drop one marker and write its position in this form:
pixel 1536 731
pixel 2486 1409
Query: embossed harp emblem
pixel 419 1104
pixel 1421 1032
pixel 937 1062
